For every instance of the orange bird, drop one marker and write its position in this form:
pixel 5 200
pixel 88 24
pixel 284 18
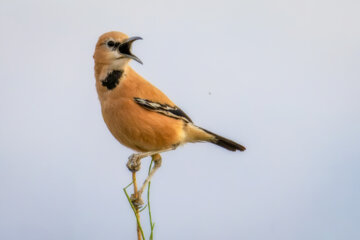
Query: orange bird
pixel 137 113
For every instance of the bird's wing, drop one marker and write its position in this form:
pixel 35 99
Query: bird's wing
pixel 165 109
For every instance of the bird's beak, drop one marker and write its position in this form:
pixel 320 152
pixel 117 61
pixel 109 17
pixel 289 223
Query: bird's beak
pixel 125 47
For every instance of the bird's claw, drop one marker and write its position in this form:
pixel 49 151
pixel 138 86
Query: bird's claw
pixel 136 201
pixel 134 163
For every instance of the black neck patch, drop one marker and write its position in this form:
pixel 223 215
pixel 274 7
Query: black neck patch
pixel 112 79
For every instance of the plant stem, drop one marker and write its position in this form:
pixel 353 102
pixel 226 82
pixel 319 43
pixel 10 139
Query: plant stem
pixel 148 204
pixel 140 232
pixel 136 209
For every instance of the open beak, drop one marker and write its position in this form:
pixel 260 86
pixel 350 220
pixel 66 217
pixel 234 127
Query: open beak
pixel 125 49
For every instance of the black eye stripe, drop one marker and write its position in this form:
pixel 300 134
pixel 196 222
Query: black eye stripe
pixel 111 43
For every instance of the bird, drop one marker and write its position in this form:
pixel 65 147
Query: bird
pixel 138 114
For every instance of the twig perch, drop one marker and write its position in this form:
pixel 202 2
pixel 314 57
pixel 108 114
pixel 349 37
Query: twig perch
pixel 136 210
pixel 139 230
pixel 152 225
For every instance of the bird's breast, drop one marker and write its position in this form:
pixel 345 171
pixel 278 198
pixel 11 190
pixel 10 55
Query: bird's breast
pixel 140 129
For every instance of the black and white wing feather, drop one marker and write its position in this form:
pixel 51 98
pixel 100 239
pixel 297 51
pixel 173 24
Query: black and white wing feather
pixel 173 112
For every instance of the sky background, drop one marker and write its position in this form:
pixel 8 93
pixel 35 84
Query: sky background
pixel 280 77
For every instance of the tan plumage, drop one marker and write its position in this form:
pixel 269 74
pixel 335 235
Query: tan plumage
pixel 144 128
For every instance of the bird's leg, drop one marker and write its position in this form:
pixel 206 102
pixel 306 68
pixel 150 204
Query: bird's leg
pixel 136 197
pixel 134 165
pixel 157 164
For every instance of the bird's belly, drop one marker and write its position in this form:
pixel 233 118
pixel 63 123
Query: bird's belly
pixel 140 129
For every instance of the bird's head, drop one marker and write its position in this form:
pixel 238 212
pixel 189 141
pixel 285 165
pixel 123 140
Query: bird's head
pixel 114 49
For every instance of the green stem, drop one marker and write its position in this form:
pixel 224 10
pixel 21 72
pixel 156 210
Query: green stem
pixel 148 199
pixel 134 210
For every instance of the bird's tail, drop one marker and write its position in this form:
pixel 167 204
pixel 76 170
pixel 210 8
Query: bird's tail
pixel 198 134
pixel 224 142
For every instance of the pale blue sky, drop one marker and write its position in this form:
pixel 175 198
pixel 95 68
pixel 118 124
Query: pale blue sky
pixel 281 77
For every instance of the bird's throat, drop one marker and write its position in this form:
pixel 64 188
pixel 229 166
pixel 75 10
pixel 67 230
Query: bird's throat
pixel 112 79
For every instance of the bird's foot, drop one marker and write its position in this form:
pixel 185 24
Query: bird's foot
pixel 134 163
pixel 137 200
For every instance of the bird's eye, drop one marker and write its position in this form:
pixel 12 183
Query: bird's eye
pixel 110 43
